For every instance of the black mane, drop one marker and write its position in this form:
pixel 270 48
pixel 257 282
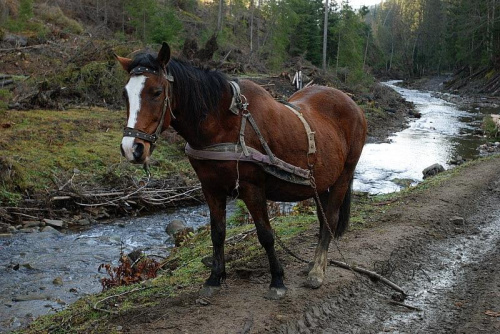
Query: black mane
pixel 197 91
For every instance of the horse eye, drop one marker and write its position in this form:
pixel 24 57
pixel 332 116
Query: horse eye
pixel 157 93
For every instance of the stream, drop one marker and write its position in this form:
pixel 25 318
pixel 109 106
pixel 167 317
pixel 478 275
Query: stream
pixel 442 133
pixel 44 272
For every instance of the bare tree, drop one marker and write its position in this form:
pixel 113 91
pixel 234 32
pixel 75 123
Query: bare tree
pixel 325 35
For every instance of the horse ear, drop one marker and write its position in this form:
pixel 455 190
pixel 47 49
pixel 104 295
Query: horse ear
pixel 125 62
pixel 164 55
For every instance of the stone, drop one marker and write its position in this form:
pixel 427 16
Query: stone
pixel 25 298
pixel 57 281
pixel 432 170
pixel 28 230
pixel 49 229
pixel 457 220
pixel 31 223
pixel 15 40
pixel 175 226
pixel 83 222
pixel 54 223
pixel 4 227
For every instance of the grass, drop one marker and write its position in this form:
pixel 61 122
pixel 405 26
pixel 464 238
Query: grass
pixel 5 96
pixel 48 147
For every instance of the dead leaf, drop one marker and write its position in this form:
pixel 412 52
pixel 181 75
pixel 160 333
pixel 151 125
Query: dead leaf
pixel 492 313
pixel 7 125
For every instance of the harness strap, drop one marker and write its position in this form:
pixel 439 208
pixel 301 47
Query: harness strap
pixel 242 134
pixel 234 152
pixel 152 138
pixel 310 134
pixel 261 138
pixel 131 132
pixel 237 103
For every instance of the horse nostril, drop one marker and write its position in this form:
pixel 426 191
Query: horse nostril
pixel 121 150
pixel 138 150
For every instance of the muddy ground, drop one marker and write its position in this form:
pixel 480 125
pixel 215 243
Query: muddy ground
pixel 449 268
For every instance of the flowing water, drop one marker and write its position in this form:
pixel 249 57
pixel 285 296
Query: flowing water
pixel 43 272
pixel 443 132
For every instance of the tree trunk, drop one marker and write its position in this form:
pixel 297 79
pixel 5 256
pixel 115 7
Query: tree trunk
pixel 252 11
pixel 338 56
pixel 259 3
pixel 366 48
pixel 219 16
pixel 325 35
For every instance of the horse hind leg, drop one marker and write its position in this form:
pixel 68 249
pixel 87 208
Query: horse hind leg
pixel 336 206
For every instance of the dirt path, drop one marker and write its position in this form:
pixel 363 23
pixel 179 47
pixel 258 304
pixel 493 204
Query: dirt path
pixel 451 270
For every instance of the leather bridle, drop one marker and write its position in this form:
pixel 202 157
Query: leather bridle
pixel 152 138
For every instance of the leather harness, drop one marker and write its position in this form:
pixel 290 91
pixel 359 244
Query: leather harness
pixel 152 138
pixel 235 151
pixel 241 152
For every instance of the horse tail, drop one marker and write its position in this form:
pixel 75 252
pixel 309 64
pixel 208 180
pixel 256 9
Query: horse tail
pixel 344 212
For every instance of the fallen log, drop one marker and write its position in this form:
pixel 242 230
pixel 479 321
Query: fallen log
pixel 6 83
pixel 371 274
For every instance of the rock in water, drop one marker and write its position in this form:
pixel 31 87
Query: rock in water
pixel 175 226
pixel 433 170
pixel 54 223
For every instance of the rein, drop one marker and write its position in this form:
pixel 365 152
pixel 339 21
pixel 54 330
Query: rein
pixel 152 138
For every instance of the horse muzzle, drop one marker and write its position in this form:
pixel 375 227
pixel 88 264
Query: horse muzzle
pixel 135 152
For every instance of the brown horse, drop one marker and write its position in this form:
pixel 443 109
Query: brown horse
pixel 200 105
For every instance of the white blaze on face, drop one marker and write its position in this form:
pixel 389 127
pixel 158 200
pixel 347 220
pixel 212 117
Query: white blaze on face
pixel 134 89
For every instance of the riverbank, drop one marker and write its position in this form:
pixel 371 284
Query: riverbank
pixel 390 236
pixel 65 166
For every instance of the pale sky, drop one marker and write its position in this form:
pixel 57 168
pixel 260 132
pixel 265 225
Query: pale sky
pixel 358 3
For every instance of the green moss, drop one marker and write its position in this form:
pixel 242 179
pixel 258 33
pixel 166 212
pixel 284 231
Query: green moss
pixel 50 145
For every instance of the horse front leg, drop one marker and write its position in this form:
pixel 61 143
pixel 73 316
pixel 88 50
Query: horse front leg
pixel 217 205
pixel 255 200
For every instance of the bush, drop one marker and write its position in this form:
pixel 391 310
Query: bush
pixel 5 96
pixel 490 128
pixel 55 15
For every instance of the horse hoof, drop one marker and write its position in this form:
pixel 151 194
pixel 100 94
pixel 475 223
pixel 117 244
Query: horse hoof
pixel 314 282
pixel 276 293
pixel 209 291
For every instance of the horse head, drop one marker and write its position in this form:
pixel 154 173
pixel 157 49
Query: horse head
pixel 148 94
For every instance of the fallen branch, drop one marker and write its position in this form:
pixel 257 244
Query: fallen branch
pixel 371 274
pixel 113 296
pixel 390 301
pixel 38 46
pixel 310 83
